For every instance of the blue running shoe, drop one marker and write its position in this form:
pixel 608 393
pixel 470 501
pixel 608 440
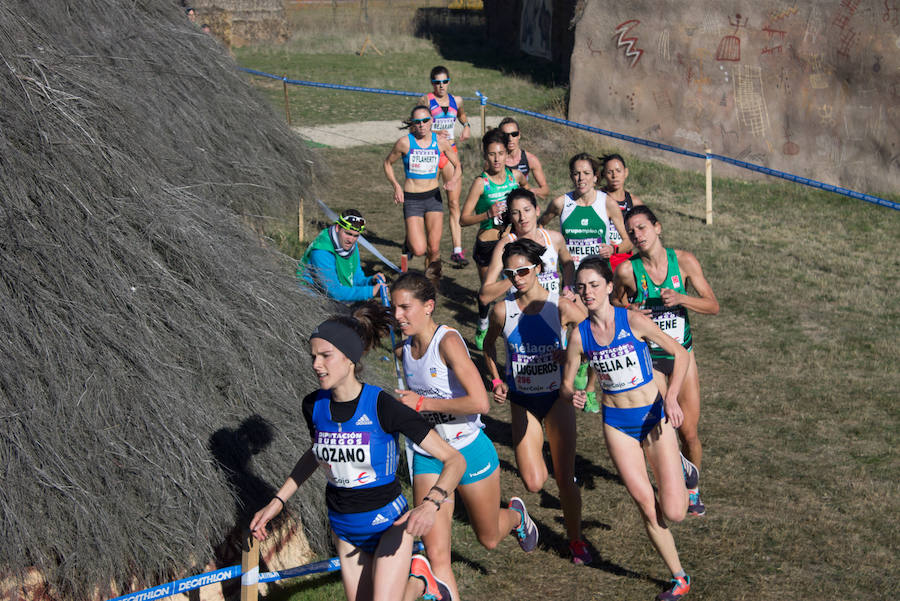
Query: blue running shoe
pixel 691 473
pixel 695 505
pixel 527 532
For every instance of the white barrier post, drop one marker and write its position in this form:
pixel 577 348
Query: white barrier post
pixel 249 568
pixel 708 187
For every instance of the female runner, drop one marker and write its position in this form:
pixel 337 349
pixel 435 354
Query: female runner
pixel 615 173
pixel 637 422
pixel 522 214
pixel 656 280
pixel 446 109
pixel 521 159
pixel 533 323
pixel 445 386
pixel 420 196
pixel 587 220
pixel 485 206
pixel 354 428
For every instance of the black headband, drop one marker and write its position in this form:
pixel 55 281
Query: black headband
pixel 344 338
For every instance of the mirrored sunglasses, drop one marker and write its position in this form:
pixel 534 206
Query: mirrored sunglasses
pixel 419 121
pixel 440 81
pixel 352 223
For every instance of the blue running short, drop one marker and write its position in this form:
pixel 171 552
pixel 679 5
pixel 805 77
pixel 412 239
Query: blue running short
pixel 480 455
pixel 364 530
pixel 636 422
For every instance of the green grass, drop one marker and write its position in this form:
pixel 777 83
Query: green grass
pixel 798 373
pixel 325 52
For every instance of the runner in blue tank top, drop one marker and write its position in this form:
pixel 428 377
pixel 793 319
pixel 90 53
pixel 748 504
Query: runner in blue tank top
pixel 423 212
pixel 446 388
pixel 533 324
pixel 354 429
pixel 638 424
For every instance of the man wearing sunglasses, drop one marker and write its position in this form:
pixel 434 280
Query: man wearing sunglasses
pixel 331 262
pixel 446 109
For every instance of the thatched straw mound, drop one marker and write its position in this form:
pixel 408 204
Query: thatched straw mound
pixel 148 339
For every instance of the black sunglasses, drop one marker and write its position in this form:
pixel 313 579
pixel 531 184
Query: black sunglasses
pixel 514 134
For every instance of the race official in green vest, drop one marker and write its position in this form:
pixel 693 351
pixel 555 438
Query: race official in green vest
pixel 331 262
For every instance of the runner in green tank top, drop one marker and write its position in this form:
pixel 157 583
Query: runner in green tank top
pixel 655 282
pixel 584 220
pixel 485 206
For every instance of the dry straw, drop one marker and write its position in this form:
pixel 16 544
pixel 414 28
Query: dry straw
pixel 149 342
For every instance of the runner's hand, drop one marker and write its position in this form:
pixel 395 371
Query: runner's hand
pixel 670 297
pixel 398 195
pixel 579 398
pixel 500 392
pixel 674 414
pixel 262 517
pixel 407 397
pixel 420 519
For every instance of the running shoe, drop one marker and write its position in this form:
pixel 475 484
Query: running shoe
pixel 695 505
pixel 459 260
pixel 581 377
pixel 527 532
pixel 691 473
pixel 435 590
pixel 680 587
pixel 479 338
pixel 580 553
pixel 591 405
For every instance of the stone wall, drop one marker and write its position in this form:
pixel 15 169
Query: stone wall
pixel 808 87
pixel 241 22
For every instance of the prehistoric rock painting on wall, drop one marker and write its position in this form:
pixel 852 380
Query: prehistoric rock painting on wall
pixel 536 27
pixel 807 87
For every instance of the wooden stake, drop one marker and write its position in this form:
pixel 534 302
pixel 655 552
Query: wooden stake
pixel 249 568
pixel 709 211
pixel 368 42
pixel 483 121
pixel 287 104
pixel 300 220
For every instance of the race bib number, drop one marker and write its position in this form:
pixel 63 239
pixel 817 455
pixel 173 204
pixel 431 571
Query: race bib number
pixel 613 234
pixel 671 321
pixel 580 248
pixel 619 367
pixel 549 280
pixel 345 457
pixel 444 124
pixel 535 373
pixel 423 161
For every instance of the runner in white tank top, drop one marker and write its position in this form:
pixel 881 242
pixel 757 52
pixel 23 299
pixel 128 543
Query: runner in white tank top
pixel 558 270
pixel 445 386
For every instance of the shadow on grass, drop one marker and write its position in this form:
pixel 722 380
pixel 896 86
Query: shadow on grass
pixel 461 35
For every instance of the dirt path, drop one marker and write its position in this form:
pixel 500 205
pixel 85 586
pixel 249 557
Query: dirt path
pixel 362 133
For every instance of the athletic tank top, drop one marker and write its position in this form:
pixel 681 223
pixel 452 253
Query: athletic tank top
pixel 523 165
pixel 356 453
pixel 625 205
pixel 673 321
pixel 422 163
pixel 549 276
pixel 584 228
pixel 444 117
pixel 494 193
pixel 430 377
pixel 624 364
pixel 531 341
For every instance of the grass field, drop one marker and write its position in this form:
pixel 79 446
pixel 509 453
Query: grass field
pixel 799 371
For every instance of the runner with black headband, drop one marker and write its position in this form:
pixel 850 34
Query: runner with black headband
pixel 354 428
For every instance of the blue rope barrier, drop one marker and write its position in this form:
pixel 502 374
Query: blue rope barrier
pixel 194 582
pixel 483 100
